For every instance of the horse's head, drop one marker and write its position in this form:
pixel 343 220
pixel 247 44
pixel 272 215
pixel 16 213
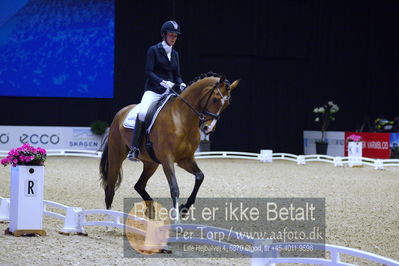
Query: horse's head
pixel 213 101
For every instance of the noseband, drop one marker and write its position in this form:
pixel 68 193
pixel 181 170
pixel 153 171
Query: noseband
pixel 204 112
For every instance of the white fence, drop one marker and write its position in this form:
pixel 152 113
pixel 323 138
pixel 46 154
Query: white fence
pixel 75 219
pixel 378 164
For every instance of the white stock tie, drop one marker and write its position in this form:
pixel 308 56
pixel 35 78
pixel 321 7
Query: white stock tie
pixel 168 49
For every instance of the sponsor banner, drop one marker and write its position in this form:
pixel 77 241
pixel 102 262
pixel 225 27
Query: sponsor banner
pixel 82 139
pixel 66 138
pixel 335 139
pixel 394 145
pixel 375 145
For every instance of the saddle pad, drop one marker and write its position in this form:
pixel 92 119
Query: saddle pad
pixel 130 119
pixel 151 116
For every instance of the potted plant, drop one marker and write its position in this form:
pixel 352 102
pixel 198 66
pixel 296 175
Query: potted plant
pixel 205 143
pixel 25 155
pixel 324 115
pixel 26 189
pixel 99 128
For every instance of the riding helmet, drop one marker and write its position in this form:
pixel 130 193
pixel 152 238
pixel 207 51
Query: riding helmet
pixel 170 26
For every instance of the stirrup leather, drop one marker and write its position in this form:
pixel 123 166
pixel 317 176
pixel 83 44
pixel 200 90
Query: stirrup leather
pixel 135 151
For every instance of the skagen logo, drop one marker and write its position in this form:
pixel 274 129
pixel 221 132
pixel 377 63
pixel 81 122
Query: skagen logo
pixel 42 139
pixel 4 138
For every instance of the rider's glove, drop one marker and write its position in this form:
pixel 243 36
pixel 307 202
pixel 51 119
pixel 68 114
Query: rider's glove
pixel 167 84
pixel 182 86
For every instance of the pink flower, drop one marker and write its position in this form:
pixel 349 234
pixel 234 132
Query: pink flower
pixel 14 152
pixel 41 151
pixel 355 138
pixel 26 154
pixel 26 146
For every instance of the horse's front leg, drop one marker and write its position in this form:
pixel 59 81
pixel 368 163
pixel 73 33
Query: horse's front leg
pixel 191 167
pixel 169 171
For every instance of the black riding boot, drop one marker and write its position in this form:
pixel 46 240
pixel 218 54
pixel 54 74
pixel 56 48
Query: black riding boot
pixel 138 130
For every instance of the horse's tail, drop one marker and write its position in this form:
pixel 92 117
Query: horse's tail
pixel 104 169
pixel 104 166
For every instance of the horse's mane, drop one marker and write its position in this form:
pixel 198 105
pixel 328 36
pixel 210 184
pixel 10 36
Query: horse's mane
pixel 204 75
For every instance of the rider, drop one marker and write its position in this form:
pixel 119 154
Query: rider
pixel 163 72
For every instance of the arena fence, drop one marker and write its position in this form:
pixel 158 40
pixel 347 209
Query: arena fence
pixel 378 164
pixel 75 219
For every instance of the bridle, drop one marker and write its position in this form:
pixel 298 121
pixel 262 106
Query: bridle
pixel 204 112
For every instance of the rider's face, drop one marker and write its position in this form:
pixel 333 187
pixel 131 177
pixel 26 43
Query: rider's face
pixel 171 38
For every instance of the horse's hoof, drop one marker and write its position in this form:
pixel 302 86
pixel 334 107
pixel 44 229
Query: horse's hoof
pixel 150 213
pixel 165 251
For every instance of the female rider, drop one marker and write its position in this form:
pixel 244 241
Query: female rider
pixel 163 72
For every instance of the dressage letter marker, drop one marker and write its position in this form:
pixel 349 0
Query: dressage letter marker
pixel 26 200
pixel 30 188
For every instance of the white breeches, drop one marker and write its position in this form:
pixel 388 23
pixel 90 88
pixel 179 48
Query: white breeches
pixel 148 98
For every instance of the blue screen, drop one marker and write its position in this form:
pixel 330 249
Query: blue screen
pixel 57 48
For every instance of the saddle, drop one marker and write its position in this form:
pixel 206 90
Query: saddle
pixel 154 110
pixel 150 118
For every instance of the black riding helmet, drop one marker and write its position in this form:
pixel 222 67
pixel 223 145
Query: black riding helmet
pixel 170 26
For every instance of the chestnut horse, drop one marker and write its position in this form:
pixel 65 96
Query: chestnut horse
pixel 175 136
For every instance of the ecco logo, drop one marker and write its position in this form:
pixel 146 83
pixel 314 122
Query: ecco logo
pixel 42 139
pixel 4 138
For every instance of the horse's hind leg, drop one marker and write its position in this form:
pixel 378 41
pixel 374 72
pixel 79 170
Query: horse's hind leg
pixel 191 167
pixel 148 170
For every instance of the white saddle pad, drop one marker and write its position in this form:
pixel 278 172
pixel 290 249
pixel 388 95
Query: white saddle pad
pixel 130 119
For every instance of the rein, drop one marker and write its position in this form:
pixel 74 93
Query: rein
pixel 204 112
pixel 187 103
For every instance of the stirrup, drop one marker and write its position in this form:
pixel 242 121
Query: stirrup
pixel 133 154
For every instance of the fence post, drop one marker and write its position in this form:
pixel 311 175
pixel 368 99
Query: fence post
pixel 338 161
pixel 72 222
pixel 378 165
pixel 4 209
pixel 266 156
pixel 301 160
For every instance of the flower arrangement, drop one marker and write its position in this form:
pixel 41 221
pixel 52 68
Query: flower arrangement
pixel 354 138
pixel 324 115
pixel 25 155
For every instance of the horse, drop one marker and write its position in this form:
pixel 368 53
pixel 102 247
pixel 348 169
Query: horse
pixel 175 136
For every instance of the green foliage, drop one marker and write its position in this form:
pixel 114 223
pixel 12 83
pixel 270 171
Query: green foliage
pixel 98 127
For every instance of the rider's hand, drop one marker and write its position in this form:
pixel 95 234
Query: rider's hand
pixel 167 84
pixel 182 86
